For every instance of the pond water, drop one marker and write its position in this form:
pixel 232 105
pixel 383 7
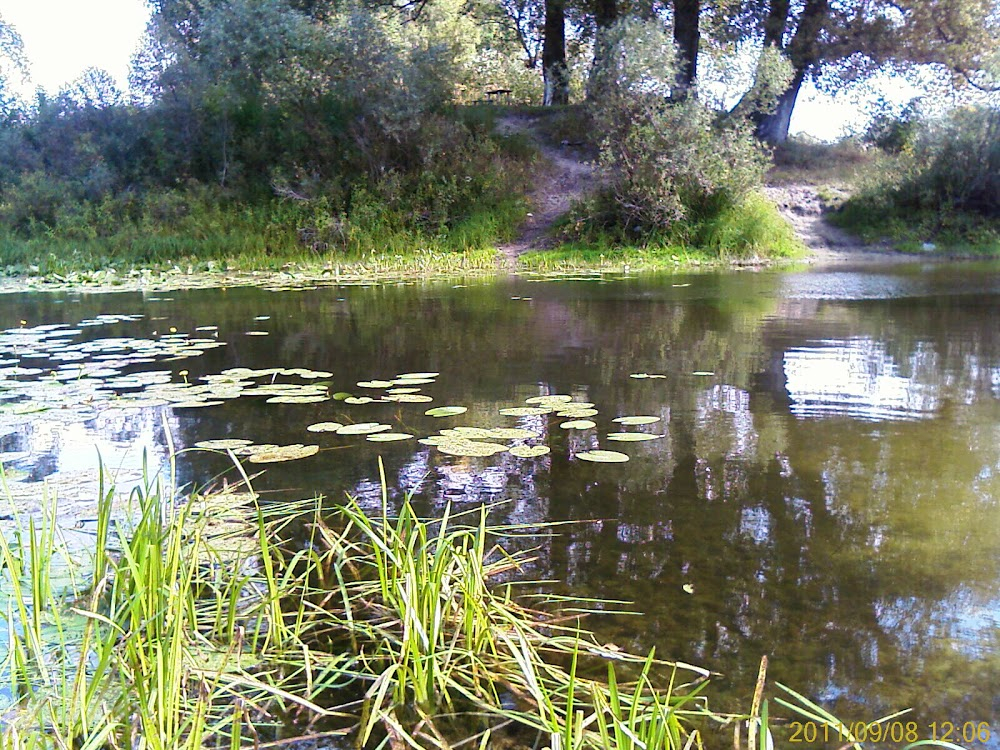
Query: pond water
pixel 824 487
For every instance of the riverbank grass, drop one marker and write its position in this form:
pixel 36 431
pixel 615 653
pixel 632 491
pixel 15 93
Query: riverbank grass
pixel 746 233
pixel 219 622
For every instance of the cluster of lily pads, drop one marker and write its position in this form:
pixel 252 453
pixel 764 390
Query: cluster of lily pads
pixel 46 368
pixel 464 440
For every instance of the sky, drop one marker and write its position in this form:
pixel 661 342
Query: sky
pixel 62 38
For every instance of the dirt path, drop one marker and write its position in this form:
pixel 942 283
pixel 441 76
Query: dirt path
pixel 803 208
pixel 567 176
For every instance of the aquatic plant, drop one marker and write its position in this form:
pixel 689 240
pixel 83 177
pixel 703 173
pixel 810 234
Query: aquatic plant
pixel 215 621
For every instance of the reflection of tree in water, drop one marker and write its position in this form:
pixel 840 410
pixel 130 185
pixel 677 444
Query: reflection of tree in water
pixel 856 553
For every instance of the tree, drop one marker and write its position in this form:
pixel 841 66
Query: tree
pixel 12 61
pixel 554 68
pixel 687 38
pixel 835 41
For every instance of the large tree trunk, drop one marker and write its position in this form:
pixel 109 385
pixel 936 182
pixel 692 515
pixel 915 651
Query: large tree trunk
pixel 804 52
pixel 605 14
pixel 773 127
pixel 687 37
pixel 554 69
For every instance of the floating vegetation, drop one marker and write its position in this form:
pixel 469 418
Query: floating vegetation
pixel 470 433
pixel 411 376
pixel 297 399
pixel 529 451
pixel 556 400
pixel 703 373
pixel 223 444
pixel 603 457
pixel 645 375
pixel 283 453
pixel 526 411
pixel 632 437
pixel 412 381
pixel 258 333
pixel 512 433
pixel 578 424
pixel 472 448
pixel 446 411
pixel 407 398
pixel 388 437
pixel 631 421
pixel 363 428
pixel 577 413
pixel 374 384
pixel 324 427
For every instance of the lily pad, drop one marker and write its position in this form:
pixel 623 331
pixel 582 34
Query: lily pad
pixel 554 399
pixel 703 373
pixel 389 437
pixel 578 424
pixel 446 411
pixel 529 451
pixel 603 457
pixel 434 440
pixel 283 453
pixel 526 411
pixel 324 427
pixel 402 391
pixel 297 399
pixel 473 448
pixel 363 428
pixel 417 375
pixel 358 400
pixel 577 413
pixel 412 381
pixel 635 420
pixel 632 437
pixel 511 433
pixel 374 384
pixel 470 433
pixel 223 444
pixel 191 404
pixel 408 398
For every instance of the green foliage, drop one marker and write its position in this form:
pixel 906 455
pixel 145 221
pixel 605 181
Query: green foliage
pixel 944 187
pixel 677 170
pixel 217 622
pixel 893 132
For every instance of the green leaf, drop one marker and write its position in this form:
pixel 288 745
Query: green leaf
pixel 603 457
pixel 446 411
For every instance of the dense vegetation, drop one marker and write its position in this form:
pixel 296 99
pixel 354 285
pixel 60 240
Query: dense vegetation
pixel 940 187
pixel 257 133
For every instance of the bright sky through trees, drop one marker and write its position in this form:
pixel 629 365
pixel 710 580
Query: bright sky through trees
pixel 64 37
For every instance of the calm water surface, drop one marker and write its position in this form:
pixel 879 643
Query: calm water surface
pixel 828 483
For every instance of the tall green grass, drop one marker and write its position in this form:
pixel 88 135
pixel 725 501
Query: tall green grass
pixel 216 621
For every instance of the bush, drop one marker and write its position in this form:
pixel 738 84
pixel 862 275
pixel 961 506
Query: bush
pixel 957 164
pixel 945 186
pixel 668 163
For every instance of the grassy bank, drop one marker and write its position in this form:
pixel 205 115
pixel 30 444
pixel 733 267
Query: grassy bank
pixel 750 232
pixel 215 621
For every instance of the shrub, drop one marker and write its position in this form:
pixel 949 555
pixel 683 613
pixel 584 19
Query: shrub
pixel 667 162
pixel 957 163
pixel 946 186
